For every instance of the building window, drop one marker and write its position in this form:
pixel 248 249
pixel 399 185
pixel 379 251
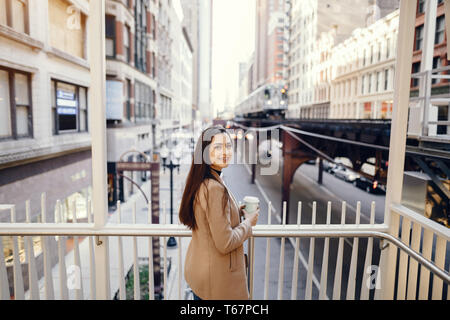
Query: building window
pixel 386 79
pixel 110 30
pixel 421 6
pixel 153 26
pixel 126 43
pixel 153 64
pixel 16 121
pixel 371 56
pixel 378 81
pixel 440 28
pixel 415 69
pixel 419 38
pixel 14 14
pixel 69 107
pixel 128 98
pixel 142 101
pixel 370 84
pixel 362 84
pixel 140 35
pixel 379 51
pixel 388 43
pixel 437 63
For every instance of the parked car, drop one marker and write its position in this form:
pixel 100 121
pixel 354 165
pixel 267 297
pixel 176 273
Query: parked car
pixel 345 174
pixel 328 166
pixel 311 161
pixel 370 186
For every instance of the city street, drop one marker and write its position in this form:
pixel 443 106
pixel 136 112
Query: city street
pixel 238 179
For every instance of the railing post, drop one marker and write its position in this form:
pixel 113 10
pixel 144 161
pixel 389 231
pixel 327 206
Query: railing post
pixel 96 45
pixel 398 135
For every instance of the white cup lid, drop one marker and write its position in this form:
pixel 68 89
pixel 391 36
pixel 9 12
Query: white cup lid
pixel 250 199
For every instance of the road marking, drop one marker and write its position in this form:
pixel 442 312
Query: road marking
pixel 300 255
pixel 332 194
pixel 266 198
pixel 260 189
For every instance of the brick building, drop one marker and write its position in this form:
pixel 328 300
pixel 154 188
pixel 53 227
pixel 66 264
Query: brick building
pixel 45 145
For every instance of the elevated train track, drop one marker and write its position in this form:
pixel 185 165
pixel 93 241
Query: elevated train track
pixel 356 139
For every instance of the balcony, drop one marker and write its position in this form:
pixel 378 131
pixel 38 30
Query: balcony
pixel 419 255
pixel 424 123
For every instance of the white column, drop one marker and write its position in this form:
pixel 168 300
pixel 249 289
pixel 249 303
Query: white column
pixel 426 64
pixel 96 45
pixel 398 132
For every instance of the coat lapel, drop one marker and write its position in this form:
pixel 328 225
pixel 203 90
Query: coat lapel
pixel 235 207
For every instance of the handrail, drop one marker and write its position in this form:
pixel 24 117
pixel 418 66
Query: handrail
pixel 423 221
pixel 158 230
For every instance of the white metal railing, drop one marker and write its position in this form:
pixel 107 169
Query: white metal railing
pixel 345 273
pixel 424 109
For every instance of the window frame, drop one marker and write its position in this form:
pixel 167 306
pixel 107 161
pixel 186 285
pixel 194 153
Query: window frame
pixel 437 32
pixel 56 131
pixel 421 28
pixel 386 79
pixel 127 49
pixel 112 37
pixel 13 105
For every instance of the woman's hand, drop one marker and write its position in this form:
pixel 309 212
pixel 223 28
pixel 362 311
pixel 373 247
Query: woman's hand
pixel 241 211
pixel 253 217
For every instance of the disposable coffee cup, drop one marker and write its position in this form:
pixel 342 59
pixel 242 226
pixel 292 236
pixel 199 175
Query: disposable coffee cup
pixel 251 204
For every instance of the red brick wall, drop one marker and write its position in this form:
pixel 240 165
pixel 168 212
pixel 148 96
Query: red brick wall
pixel 119 38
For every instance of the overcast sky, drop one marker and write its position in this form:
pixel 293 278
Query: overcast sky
pixel 233 42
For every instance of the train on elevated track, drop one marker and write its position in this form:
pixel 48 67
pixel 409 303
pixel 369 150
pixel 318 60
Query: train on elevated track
pixel 267 102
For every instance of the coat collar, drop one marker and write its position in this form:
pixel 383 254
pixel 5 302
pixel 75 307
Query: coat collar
pixel 214 173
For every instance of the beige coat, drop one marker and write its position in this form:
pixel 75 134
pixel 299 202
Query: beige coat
pixel 215 263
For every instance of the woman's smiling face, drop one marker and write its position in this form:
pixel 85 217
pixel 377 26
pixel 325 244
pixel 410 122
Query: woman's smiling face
pixel 220 151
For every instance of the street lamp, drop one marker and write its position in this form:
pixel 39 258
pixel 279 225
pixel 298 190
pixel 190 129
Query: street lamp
pixel 166 155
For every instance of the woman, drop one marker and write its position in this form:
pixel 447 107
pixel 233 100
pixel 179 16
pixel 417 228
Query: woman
pixel 215 264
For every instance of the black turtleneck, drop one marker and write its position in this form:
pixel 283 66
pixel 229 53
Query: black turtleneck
pixel 217 171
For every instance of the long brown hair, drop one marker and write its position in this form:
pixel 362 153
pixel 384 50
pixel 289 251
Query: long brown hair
pixel 200 171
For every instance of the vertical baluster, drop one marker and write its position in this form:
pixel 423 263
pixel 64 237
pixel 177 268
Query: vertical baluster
pixel 252 264
pixel 151 286
pixel 49 292
pixel 91 255
pixel 281 269
pixel 338 272
pixel 64 292
pixel 413 264
pixel 4 283
pixel 368 261
pixel 354 259
pixel 403 263
pixel 19 293
pixel 324 271
pixel 266 276
pixel 180 268
pixel 310 272
pixel 32 272
pixel 439 258
pixel 137 288
pixel 122 292
pixel 427 245
pixel 77 259
pixel 165 255
pixel 296 253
